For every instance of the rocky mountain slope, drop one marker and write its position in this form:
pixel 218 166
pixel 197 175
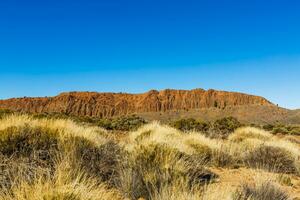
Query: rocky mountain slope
pixel 165 104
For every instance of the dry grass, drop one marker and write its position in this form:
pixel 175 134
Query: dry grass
pixel 62 186
pixel 57 159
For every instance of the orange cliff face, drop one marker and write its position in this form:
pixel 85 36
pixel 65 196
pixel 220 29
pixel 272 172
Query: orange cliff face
pixel 117 104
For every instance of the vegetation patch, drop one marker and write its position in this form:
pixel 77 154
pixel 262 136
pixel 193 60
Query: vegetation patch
pixel 26 152
pixel 220 128
pixel 273 159
pixel 98 162
pixel 125 123
pixel 190 124
pixel 264 191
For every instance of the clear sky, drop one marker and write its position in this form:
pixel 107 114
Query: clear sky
pixel 51 46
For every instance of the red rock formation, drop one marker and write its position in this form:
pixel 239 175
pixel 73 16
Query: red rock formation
pixel 116 104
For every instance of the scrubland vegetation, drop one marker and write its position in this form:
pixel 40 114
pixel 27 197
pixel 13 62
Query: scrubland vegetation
pixel 55 158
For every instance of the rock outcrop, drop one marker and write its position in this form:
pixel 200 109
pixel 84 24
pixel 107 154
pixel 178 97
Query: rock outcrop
pixel 118 104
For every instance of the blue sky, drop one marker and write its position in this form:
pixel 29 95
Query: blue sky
pixel 250 46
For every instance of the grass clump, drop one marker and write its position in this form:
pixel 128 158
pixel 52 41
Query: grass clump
pixel 5 112
pixel 244 133
pixel 264 191
pixel 99 162
pixel 271 158
pixel 25 152
pixel 152 167
pixel 63 185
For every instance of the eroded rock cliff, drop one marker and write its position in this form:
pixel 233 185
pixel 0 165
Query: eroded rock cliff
pixel 117 104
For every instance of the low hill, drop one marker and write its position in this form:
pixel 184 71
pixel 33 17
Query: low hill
pixel 159 105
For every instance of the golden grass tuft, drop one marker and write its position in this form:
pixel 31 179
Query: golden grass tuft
pixel 62 186
pixel 241 134
pixel 65 128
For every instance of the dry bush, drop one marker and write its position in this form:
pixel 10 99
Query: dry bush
pixel 24 152
pixel 221 158
pixel 264 191
pixel 172 192
pixel 201 150
pixel 154 166
pixel 61 186
pixel 98 162
pixel 271 158
pixel 33 147
pixel 65 128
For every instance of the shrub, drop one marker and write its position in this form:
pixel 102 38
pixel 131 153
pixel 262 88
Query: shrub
pixel 221 158
pixel 26 141
pixel 272 159
pixel 98 162
pixel 190 124
pixel 223 127
pixel 196 172
pixel 26 152
pixel 268 127
pixel 5 112
pixel 202 151
pixel 128 123
pixel 281 130
pixel 295 131
pixel 62 186
pixel 264 191
pixel 151 167
pixel 284 180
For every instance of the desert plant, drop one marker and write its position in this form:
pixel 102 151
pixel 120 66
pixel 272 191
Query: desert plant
pixel 5 112
pixel 272 159
pixel 190 124
pixel 280 129
pixel 25 152
pixel 221 158
pixel 202 151
pixel 63 185
pixel 264 191
pixel 98 162
pixel 151 167
pixel 268 127
pixel 241 134
pixel 221 128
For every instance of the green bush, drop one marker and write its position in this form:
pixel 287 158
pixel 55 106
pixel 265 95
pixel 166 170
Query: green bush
pixel 190 124
pixel 281 130
pixel 295 131
pixel 127 123
pixel 268 127
pixel 223 127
